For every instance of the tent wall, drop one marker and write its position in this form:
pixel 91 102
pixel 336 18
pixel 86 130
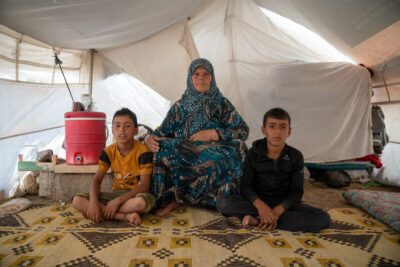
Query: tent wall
pixel 10 177
pixel 24 59
pixel 115 89
pixel 330 116
pixel 30 107
pixel 31 114
pixel 253 61
pixel 160 61
pixel 258 65
pixel 366 30
pixel 392 122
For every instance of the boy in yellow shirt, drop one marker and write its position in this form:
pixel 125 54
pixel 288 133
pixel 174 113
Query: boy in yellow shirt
pixel 132 165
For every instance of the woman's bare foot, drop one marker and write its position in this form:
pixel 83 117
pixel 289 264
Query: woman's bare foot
pixel 170 206
pixel 249 220
pixel 133 217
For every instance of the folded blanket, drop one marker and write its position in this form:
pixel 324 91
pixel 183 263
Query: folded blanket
pixel 385 206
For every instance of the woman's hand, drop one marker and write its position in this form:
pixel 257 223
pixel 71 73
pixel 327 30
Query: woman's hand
pixel 205 136
pixel 151 142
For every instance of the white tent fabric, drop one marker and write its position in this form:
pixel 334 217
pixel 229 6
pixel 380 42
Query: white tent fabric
pixel 28 60
pixel 320 129
pixel 11 147
pixel 252 60
pixel 257 64
pixel 160 61
pixel 389 173
pixel 125 91
pixel 366 30
pixel 31 107
pixel 92 23
pixel 392 121
pixel 34 115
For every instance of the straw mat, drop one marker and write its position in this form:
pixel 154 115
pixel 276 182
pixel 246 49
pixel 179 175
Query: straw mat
pixel 60 236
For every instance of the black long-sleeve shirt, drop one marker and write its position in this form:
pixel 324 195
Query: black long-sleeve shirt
pixel 273 181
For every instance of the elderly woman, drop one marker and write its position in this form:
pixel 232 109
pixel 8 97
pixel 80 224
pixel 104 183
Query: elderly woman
pixel 200 145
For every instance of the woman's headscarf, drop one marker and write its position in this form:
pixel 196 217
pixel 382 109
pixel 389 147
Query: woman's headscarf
pixel 199 108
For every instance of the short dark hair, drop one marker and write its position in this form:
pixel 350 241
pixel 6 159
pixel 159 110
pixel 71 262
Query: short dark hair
pixel 125 112
pixel 276 113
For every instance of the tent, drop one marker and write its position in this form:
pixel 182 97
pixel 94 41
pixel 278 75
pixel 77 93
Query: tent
pixel 119 51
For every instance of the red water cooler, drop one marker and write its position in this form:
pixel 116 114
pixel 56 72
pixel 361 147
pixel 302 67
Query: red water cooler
pixel 85 137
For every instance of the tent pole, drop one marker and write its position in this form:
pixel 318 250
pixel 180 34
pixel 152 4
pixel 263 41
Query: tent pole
pixel 390 102
pixel 384 81
pixel 38 131
pixel 92 51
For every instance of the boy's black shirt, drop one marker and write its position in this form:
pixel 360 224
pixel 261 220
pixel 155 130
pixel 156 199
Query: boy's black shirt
pixel 273 181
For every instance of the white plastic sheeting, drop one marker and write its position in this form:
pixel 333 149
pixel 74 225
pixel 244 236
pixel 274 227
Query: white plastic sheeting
pixel 366 30
pixel 258 67
pixel 34 115
pixel 123 90
pixel 115 89
pixel 11 147
pixel 31 114
pixel 160 61
pixel 330 116
pixel 94 24
pixel 31 107
pixel 27 60
pixel 392 122
pixel 389 174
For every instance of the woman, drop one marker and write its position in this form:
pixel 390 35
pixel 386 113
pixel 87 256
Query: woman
pixel 200 145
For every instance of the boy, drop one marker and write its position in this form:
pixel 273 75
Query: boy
pixel 131 162
pixel 272 184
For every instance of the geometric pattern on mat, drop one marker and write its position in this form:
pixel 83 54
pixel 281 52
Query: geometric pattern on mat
pixel 60 236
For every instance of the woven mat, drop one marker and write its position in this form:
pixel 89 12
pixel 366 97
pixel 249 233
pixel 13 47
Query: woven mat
pixel 60 236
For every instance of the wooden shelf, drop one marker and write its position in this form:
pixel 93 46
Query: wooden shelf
pixel 65 168
pixel 56 168
pixel 35 166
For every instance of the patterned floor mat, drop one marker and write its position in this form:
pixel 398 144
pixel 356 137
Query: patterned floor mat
pixel 60 236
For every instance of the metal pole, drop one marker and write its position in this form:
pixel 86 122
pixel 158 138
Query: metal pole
pixel 59 62
pixel 92 51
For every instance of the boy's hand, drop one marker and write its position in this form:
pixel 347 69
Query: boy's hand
pixel 205 136
pixel 268 219
pixel 151 142
pixel 94 212
pixel 111 209
pixel 278 210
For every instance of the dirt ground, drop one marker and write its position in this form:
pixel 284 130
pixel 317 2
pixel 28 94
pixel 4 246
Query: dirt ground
pixel 320 195
pixel 315 193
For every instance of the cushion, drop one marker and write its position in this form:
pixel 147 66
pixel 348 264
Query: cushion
pixel 13 206
pixel 385 206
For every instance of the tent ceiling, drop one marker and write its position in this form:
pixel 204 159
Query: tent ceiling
pixel 366 30
pixel 93 23
pixel 100 24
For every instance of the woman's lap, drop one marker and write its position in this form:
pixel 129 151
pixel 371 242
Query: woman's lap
pixel 196 173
